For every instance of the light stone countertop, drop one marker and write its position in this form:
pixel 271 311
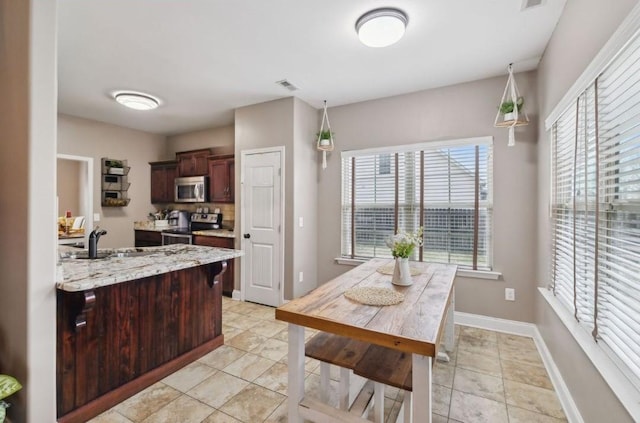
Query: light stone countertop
pixel 74 274
pixel 149 226
pixel 221 233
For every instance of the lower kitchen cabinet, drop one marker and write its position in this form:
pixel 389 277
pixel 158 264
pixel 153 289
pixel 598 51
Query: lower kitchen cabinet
pixel 220 242
pixel 147 238
pixel 115 340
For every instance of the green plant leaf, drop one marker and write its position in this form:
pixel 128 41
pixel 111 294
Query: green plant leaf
pixel 324 135
pixel 8 386
pixel 507 106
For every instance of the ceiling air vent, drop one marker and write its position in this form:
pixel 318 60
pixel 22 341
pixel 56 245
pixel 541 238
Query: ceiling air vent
pixel 528 4
pixel 288 85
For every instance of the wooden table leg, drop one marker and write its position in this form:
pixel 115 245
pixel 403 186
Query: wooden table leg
pixel 295 389
pixel 421 381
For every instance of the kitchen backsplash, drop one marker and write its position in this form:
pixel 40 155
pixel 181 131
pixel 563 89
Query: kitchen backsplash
pixel 228 211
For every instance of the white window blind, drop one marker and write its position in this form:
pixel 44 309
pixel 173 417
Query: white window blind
pixel 596 209
pixel 446 190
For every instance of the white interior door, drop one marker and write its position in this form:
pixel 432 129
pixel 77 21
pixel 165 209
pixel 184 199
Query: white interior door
pixel 262 231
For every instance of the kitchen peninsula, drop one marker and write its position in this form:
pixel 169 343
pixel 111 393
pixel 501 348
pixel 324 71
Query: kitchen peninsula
pixel 131 318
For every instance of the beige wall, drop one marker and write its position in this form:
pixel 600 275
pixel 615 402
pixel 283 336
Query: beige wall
pixel 264 125
pixel 220 140
pixel 583 29
pixel 291 123
pixel 83 137
pixel 27 204
pixel 459 111
pixel 68 186
pixel 305 201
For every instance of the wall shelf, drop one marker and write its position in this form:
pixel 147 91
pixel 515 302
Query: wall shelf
pixel 114 183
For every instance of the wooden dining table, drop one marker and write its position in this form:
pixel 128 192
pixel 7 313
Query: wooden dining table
pixel 417 325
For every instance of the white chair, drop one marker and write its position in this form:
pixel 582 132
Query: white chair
pixel 78 223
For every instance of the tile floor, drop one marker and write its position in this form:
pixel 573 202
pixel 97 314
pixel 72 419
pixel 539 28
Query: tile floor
pixel 492 377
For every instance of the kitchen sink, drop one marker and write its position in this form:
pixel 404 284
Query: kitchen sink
pixel 85 255
pixel 134 253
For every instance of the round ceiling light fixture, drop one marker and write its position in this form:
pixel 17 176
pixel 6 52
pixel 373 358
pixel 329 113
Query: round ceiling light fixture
pixel 381 27
pixel 135 100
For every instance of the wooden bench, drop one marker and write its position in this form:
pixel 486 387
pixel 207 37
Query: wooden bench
pixel 335 350
pixel 383 366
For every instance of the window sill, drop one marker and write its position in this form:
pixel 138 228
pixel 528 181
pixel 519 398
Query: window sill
pixel 464 273
pixel 621 386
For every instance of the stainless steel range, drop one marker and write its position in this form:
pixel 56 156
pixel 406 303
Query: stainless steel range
pixel 199 222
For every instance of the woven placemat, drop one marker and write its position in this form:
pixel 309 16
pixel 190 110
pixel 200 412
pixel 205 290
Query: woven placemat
pixel 374 296
pixel 387 269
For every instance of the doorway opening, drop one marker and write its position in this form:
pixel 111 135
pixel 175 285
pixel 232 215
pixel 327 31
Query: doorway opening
pixel 75 190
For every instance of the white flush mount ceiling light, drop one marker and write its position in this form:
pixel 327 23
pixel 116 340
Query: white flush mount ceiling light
pixel 381 27
pixel 136 101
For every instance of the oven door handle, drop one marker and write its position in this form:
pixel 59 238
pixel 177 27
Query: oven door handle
pixel 166 236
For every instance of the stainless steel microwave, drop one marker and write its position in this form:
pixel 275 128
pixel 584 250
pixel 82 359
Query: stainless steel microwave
pixel 193 189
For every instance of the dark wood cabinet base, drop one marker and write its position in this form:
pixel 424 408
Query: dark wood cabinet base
pixel 112 398
pixel 116 340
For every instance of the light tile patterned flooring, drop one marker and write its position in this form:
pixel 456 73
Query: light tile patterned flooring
pixel 492 377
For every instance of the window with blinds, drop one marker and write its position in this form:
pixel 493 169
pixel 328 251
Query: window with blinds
pixel 445 189
pixel 596 209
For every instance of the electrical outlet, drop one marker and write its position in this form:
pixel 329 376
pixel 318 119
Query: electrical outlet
pixel 96 217
pixel 510 294
pixel 300 222
pixel 300 277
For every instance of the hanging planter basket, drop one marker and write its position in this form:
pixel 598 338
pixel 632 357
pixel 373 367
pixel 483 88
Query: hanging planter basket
pixel 511 111
pixel 325 137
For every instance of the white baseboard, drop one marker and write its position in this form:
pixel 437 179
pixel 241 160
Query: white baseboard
pixel 530 330
pixel 495 324
pixel 568 405
pixel 236 295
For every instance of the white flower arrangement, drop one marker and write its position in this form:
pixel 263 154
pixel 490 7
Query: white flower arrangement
pixel 403 243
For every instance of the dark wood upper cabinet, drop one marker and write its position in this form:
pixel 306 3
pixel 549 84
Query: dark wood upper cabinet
pixel 162 181
pixel 221 179
pixel 193 163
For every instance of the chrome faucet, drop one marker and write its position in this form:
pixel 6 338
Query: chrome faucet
pixel 94 236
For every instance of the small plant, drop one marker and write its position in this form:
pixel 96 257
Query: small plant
pixel 159 215
pixel 325 135
pixel 508 106
pixel 116 163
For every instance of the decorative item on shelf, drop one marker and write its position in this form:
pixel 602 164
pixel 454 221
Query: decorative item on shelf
pixel 160 218
pixel 8 386
pixel 511 112
pixel 114 183
pixel 324 142
pixel 402 245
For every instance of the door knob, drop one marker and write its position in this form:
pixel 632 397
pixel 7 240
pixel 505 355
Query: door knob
pixel 247 236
